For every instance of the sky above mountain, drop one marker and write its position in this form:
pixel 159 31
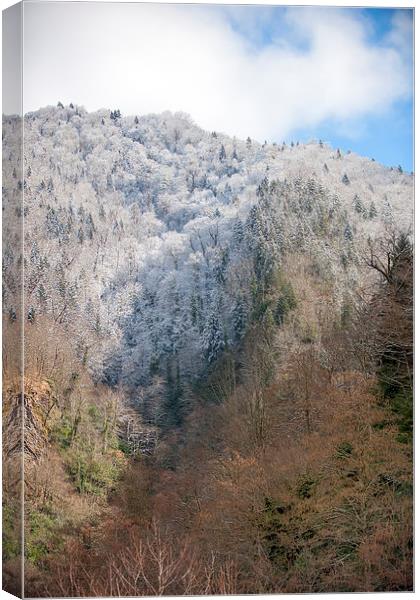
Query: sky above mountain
pixel 271 73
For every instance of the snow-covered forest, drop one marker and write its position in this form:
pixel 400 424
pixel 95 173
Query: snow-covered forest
pixel 154 253
pixel 144 234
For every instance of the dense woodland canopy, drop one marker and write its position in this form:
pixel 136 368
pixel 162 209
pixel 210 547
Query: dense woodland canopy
pixel 218 360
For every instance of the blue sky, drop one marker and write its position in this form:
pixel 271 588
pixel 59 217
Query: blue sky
pixel 388 136
pixel 273 73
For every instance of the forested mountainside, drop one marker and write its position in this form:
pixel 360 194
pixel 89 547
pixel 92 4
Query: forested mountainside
pixel 139 231
pixel 217 334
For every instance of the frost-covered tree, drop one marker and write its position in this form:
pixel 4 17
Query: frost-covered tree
pixel 213 335
pixel 155 243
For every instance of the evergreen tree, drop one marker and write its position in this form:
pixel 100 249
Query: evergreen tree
pixel 285 303
pixel 238 233
pixel 174 394
pixel 213 336
pixel 262 189
pixel 80 235
pixel 348 233
pixel 358 205
pixel 42 297
pixel 239 318
pixel 372 211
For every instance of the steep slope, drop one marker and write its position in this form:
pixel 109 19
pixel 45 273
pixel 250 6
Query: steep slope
pixel 218 361
pixel 140 235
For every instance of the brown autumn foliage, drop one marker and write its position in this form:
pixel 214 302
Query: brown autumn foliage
pixel 329 509
pixel 293 479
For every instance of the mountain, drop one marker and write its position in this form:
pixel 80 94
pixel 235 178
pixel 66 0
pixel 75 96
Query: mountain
pixel 217 332
pixel 142 234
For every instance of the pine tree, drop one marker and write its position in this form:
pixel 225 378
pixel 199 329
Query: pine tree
pixel 213 337
pixel 262 189
pixel 194 309
pixel 285 303
pixel 42 297
pixel 115 114
pixel 372 211
pixel 358 205
pixel 80 235
pixel 238 233
pixel 174 395
pixel 239 318
pixel 348 233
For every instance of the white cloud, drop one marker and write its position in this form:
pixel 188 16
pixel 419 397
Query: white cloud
pixel 149 58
